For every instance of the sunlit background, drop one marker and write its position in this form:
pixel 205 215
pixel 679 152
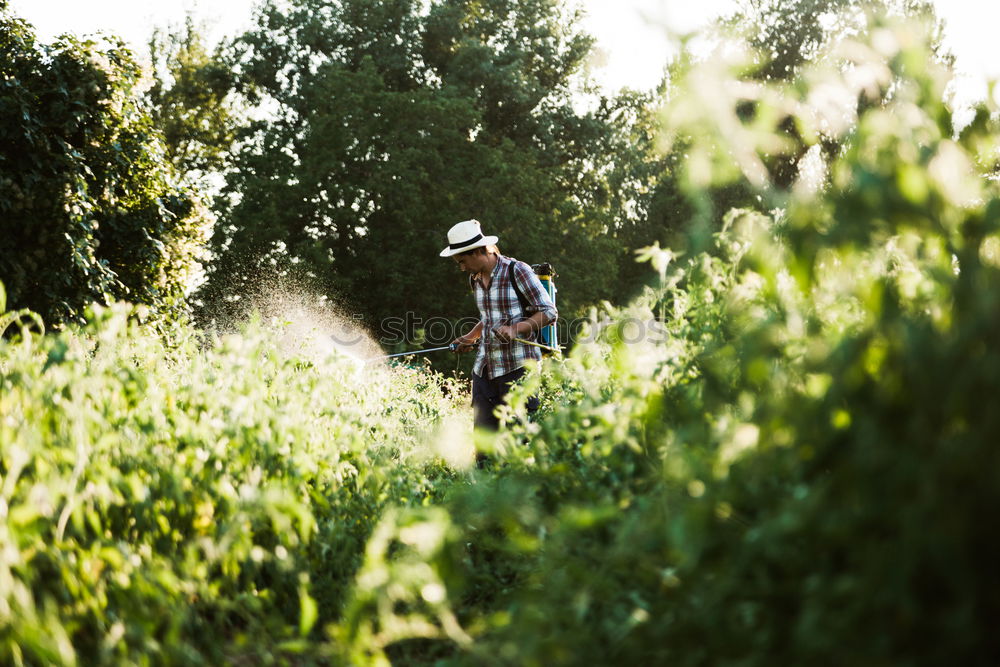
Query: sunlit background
pixel 631 34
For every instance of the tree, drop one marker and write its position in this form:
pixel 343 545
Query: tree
pixel 787 34
pixel 89 212
pixel 389 123
pixel 190 100
pixel 782 38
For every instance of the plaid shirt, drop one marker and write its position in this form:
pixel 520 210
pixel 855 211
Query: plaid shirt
pixel 498 306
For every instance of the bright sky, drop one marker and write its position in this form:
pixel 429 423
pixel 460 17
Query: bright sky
pixel 630 33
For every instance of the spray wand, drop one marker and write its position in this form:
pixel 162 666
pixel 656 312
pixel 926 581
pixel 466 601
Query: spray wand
pixel 547 348
pixel 453 347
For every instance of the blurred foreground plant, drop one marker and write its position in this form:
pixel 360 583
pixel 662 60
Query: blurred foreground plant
pixel 801 471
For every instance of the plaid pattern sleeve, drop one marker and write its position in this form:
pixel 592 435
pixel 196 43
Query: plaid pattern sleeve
pixel 499 305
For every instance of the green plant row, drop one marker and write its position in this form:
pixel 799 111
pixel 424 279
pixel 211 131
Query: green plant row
pixel 194 503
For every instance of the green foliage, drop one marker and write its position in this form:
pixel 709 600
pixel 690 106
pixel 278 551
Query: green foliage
pixel 197 504
pixel 782 38
pixel 390 122
pixel 88 212
pixel 798 471
pixel 782 452
pixel 190 101
pixel 788 35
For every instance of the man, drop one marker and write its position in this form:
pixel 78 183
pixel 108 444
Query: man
pixel 512 304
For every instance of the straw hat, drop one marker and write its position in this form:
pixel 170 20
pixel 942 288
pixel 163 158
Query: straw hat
pixel 466 235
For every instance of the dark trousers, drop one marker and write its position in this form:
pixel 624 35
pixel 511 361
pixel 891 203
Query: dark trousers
pixel 490 393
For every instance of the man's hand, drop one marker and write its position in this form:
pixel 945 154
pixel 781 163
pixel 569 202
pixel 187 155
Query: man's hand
pixel 505 333
pixel 463 344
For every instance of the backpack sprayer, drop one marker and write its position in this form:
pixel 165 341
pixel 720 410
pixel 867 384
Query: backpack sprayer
pixel 546 335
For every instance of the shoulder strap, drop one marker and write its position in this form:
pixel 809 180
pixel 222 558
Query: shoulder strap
pixel 521 299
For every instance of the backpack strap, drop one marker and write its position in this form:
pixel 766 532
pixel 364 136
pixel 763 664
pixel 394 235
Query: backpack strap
pixel 521 299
